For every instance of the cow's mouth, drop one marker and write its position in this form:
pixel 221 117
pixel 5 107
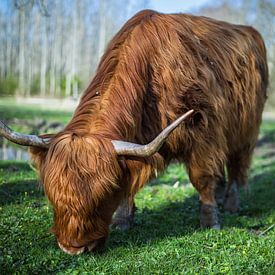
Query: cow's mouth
pixel 91 247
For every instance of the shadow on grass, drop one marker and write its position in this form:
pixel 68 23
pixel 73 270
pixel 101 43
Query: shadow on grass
pixel 177 219
pixel 14 191
pixel 268 136
pixel 260 198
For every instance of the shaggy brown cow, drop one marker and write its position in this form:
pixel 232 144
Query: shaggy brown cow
pixel 156 68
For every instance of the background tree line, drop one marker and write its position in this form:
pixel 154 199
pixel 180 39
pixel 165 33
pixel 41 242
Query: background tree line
pixel 52 47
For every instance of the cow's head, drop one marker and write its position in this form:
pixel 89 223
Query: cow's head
pixel 82 177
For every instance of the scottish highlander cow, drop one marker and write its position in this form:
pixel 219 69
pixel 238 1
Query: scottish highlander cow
pixel 158 70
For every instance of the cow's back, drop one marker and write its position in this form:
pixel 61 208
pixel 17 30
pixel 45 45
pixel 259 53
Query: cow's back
pixel 217 69
pixel 159 66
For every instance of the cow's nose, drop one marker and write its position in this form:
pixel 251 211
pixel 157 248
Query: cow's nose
pixel 72 250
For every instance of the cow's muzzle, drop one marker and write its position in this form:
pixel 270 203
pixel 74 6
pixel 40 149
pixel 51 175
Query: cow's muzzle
pixel 72 250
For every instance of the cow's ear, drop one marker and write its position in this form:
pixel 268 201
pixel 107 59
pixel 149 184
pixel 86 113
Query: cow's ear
pixel 38 157
pixel 38 154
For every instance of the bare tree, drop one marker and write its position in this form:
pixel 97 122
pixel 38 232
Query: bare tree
pixel 51 48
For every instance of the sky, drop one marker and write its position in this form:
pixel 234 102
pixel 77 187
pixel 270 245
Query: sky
pixel 168 6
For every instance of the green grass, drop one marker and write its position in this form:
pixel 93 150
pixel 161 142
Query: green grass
pixel 166 237
pixel 10 110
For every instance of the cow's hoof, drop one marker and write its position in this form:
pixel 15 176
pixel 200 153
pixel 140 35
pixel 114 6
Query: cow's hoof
pixel 216 227
pixel 232 201
pixel 122 225
pixel 123 218
pixel 209 217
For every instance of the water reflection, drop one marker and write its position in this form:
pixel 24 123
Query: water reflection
pixel 13 153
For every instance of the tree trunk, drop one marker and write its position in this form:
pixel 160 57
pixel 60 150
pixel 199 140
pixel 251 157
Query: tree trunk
pixel 21 83
pixel 43 67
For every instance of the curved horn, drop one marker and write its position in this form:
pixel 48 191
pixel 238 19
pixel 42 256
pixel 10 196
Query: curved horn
pixel 22 139
pixel 138 150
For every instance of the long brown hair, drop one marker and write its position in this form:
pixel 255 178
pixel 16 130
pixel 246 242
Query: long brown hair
pixel 155 68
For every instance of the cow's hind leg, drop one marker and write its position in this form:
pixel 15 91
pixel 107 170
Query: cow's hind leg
pixel 237 167
pixel 124 215
pixel 205 185
pixel 220 190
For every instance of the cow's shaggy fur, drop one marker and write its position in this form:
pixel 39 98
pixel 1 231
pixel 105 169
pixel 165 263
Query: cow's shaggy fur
pixel 156 68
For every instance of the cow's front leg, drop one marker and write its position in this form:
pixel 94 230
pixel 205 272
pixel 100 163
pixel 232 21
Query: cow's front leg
pixel 205 185
pixel 124 216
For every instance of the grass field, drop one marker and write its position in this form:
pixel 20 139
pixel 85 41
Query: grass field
pixel 166 237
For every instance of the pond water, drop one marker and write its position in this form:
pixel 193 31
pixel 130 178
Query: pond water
pixel 13 153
